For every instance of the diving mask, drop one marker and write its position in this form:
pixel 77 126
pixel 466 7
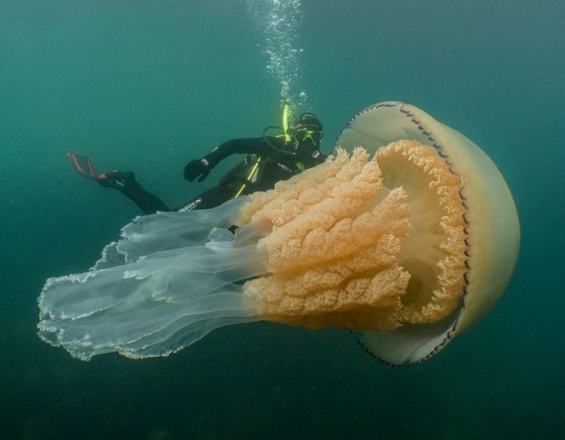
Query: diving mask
pixel 304 134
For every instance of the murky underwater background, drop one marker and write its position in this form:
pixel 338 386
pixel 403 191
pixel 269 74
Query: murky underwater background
pixel 146 86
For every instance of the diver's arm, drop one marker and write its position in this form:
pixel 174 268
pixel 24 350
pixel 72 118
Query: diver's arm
pixel 237 146
pixel 201 168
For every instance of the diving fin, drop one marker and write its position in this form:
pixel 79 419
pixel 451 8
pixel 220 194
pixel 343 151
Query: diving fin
pixel 83 165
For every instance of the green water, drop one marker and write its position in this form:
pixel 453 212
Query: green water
pixel 146 86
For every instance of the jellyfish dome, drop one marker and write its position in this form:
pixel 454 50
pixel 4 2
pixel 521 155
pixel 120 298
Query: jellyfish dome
pixel 490 236
pixel 407 235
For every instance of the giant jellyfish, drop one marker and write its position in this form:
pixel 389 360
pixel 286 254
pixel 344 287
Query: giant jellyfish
pixel 406 235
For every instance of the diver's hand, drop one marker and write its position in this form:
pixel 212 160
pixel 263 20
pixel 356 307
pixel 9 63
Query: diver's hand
pixel 197 169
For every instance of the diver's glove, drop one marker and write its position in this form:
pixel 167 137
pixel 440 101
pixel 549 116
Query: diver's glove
pixel 197 169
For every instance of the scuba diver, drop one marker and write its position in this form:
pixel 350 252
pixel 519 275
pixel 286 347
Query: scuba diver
pixel 269 159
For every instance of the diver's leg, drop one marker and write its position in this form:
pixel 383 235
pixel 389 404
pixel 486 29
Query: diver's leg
pixel 211 198
pixel 122 181
pixel 125 183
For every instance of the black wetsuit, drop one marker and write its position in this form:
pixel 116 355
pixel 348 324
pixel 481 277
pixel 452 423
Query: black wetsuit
pixel 278 162
pixel 128 186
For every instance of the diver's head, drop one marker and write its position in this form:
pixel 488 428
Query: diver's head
pixel 307 128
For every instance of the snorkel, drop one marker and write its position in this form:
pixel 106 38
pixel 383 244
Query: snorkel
pixel 285 118
pixel 285 132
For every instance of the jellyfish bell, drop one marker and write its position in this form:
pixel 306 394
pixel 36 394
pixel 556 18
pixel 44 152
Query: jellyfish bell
pixel 395 236
pixel 492 231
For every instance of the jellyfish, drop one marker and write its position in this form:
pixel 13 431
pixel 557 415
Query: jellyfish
pixel 406 235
